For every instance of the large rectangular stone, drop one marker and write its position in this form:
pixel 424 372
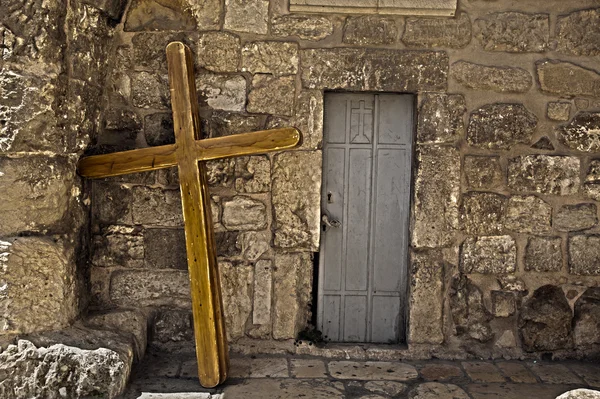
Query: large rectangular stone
pixel 374 69
pixel 399 7
pixel 545 174
pixel 236 284
pixel 263 282
pixel 141 287
pixel 584 255
pixel 489 255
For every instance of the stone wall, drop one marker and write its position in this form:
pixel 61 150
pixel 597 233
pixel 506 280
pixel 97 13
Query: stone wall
pixel 504 229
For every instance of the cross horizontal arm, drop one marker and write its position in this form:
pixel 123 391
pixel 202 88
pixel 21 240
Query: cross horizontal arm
pixel 153 158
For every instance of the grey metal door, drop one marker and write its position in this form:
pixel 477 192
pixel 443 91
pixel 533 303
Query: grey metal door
pixel 367 151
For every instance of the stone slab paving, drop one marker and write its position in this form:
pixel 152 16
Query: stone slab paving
pixel 173 376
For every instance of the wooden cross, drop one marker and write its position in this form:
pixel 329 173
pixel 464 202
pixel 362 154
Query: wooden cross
pixel 209 326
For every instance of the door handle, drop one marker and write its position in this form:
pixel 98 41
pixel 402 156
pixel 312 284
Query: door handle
pixel 329 223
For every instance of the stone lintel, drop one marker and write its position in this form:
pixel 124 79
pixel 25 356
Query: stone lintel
pixel 439 8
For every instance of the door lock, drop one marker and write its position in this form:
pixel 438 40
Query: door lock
pixel 329 223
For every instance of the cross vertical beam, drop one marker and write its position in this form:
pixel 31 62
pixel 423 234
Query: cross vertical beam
pixel 209 326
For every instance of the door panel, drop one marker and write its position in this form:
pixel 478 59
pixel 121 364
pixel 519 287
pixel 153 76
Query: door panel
pixel 367 152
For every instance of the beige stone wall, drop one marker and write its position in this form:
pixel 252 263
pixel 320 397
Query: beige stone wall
pixel 504 215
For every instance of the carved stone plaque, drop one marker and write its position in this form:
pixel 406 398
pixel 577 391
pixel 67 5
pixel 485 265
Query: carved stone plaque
pixel 400 7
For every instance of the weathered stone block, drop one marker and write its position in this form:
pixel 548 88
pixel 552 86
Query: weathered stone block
pixel 150 90
pixel 172 325
pixel 308 118
pixel 576 217
pixel 514 32
pixel 482 213
pixel 489 255
pixel 219 51
pixel 220 172
pixel 544 174
pixel 528 214
pixel 587 318
pixel 263 282
pixel 591 185
pixel 558 110
pixel 149 49
pixel 118 246
pixel 247 16
pixel 111 203
pixel 566 79
pixel 483 172
pixel 226 123
pixel 545 320
pixel 305 27
pixel 277 58
pixel 504 303
pixel 441 118
pixel 156 15
pixel 150 287
pixel 582 133
pixel 469 313
pixel 244 213
pixel 253 244
pixel 436 193
pixel 496 78
pixel 36 193
pixel 374 69
pixel 165 249
pixel 272 95
pixel 158 129
pixel 370 30
pixel 426 300
pixel 253 174
pixel 61 371
pixel 584 255
pixel 236 285
pixel 292 284
pixel 227 243
pixel 122 121
pixel 578 32
pixel 156 207
pixel 222 92
pixel 501 126
pixel 296 198
pixel 37 285
pixel 438 32
pixel 543 254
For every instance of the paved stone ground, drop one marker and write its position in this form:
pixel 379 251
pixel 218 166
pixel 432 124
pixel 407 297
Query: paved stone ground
pixel 289 377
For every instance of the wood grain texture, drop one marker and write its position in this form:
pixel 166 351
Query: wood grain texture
pixel 153 158
pixel 209 325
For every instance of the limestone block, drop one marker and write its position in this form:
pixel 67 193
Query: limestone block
pixel 545 320
pixel 436 193
pixel 545 174
pixel 276 58
pixel 37 285
pixel 253 244
pixel 122 121
pixel 221 92
pixel 469 314
pixel 374 69
pixel 172 325
pixel 272 95
pixel 349 370
pixel 220 172
pixel 236 285
pixel 591 185
pixel 587 318
pixel 308 118
pixel 582 133
pixel 489 255
pixel 158 129
pixel 558 110
pixel 528 214
pixel 247 16
pixel 140 287
pixel 577 32
pixel 296 191
pixel 501 126
pixel 219 51
pixel 496 78
pixel 426 300
pixel 111 203
pixel 441 118
pixel 292 284
pixel 150 90
pixel 566 79
pixel 61 371
pixel 118 246
pixel 576 217
pixel 222 123
pixel 227 243
pixel 165 249
pixel 253 174
pixel 156 207
pixel 543 254
pixel 514 32
pixel 504 303
pixel 438 32
pixel 244 213
pixel 156 15
pixel 483 172
pixel 36 193
pixel 482 213
pixel 584 255
pixel 263 282
pixel 149 49
pixel 305 27
pixel 370 30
